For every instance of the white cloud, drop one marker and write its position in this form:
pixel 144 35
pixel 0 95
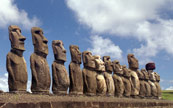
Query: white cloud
pixel 139 19
pixel 104 47
pixel 169 88
pixel 166 84
pixel 10 14
pixel 4 83
pixel 29 86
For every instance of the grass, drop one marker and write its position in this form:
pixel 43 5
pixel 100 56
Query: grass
pixel 167 94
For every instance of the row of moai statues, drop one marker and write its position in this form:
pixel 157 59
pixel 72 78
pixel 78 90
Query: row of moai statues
pixel 98 77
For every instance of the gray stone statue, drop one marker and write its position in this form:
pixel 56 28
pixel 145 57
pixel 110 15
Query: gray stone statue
pixel 76 77
pixel 159 91
pixel 108 76
pixel 146 83
pixel 101 83
pixel 150 67
pixel 89 75
pixel 133 66
pixel 15 64
pixel 142 91
pixel 118 74
pixel 39 66
pixel 127 81
pixel 60 77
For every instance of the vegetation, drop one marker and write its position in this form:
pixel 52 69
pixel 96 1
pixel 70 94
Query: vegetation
pixel 167 94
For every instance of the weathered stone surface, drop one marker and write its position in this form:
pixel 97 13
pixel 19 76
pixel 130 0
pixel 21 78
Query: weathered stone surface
pixel 117 77
pixel 108 76
pixel 146 83
pixel 152 83
pixel 142 91
pixel 100 69
pixel 15 64
pixel 150 67
pixel 89 75
pixel 159 91
pixel 126 79
pixel 75 73
pixel 133 66
pixel 45 101
pixel 39 66
pixel 60 77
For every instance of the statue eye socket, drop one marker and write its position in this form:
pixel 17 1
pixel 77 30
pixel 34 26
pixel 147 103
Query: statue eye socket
pixel 14 30
pixel 37 32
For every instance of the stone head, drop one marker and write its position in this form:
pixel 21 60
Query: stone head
pixel 146 75
pixel 39 41
pixel 88 60
pixel 124 67
pixel 108 63
pixel 100 66
pixel 16 38
pixel 117 68
pixel 143 70
pixel 126 71
pixel 157 76
pixel 59 50
pixel 133 62
pixel 75 54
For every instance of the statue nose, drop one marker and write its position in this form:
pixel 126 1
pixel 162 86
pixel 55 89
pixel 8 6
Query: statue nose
pixel 45 40
pixel 64 51
pixel 22 38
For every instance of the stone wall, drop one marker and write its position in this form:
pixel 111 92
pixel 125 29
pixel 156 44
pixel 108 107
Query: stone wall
pixel 48 101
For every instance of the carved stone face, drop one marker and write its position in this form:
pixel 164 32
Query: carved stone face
pixel 88 60
pixel 133 62
pixel 117 68
pixel 16 38
pixel 126 71
pixel 157 76
pixel 100 66
pixel 59 50
pixel 108 63
pixel 75 54
pixel 146 75
pixel 39 41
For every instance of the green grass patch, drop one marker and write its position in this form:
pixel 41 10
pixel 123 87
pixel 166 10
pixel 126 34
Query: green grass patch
pixel 167 94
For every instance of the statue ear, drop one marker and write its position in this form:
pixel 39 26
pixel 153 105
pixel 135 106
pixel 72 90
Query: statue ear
pixel 10 36
pixel 33 39
pixel 53 47
pixel 83 57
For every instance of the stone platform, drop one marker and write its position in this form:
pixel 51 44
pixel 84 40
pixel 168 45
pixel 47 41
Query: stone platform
pixel 51 101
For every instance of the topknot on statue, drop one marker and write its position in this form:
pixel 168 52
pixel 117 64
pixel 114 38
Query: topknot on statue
pixel 150 66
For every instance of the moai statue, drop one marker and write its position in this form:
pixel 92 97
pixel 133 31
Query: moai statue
pixel 16 65
pixel 133 66
pixel 142 91
pixel 39 66
pixel 101 83
pixel 89 75
pixel 127 81
pixel 108 76
pixel 159 91
pixel 60 77
pixel 117 77
pixel 146 83
pixel 150 67
pixel 76 77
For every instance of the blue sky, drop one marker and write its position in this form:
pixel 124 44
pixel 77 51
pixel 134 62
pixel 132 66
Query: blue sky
pixel 105 27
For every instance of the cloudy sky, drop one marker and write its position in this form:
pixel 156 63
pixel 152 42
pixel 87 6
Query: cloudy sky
pixel 105 27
